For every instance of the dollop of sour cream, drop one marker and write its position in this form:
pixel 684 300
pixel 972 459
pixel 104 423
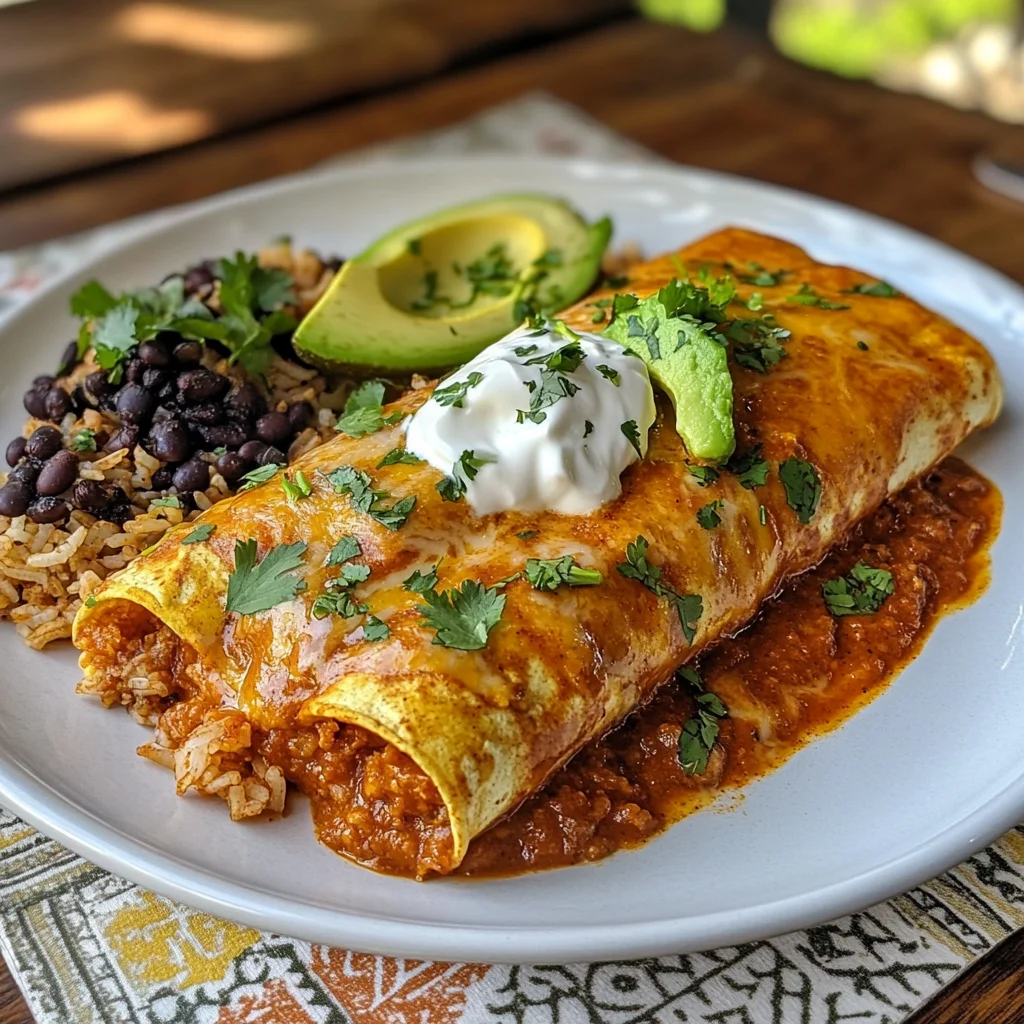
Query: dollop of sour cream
pixel 529 426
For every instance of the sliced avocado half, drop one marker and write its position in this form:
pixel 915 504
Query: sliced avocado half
pixel 434 292
pixel 685 360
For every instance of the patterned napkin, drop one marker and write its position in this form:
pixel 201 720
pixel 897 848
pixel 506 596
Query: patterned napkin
pixel 87 947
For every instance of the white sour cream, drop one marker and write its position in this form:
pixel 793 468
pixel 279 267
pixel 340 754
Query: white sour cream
pixel 568 462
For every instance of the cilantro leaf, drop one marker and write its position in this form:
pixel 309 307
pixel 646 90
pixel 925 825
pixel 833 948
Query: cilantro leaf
pixel 631 432
pixel 451 488
pixel 83 440
pixel 455 394
pixel 689 607
pixel 588 428
pixel 337 602
pixel 471 464
pixel 357 484
pixel 803 487
pixel 399 456
pixel 374 629
pixel 257 586
pixel 199 534
pixel 393 516
pixel 113 337
pixel 296 489
pixel 757 343
pixel 609 374
pixel 419 582
pixel 463 618
pixel 749 468
pixel 551 573
pixel 763 278
pixel 707 515
pixel 704 475
pixel 347 547
pixel 171 501
pixel 861 592
pixel 807 296
pixel 527 534
pixel 92 301
pixel 364 411
pixel 260 475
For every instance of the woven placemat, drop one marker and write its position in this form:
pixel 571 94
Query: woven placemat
pixel 86 946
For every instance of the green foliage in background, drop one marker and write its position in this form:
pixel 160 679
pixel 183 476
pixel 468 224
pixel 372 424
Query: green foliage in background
pixel 855 39
pixel 698 15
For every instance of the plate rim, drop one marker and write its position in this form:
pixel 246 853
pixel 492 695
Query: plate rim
pixel 59 818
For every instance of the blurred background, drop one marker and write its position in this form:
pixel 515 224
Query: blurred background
pixel 96 86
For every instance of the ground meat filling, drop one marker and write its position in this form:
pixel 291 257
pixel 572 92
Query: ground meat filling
pixel 371 802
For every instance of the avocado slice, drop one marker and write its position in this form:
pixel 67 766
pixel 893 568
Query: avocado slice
pixel 684 359
pixel 434 292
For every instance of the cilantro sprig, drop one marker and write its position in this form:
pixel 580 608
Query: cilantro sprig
pixel 364 412
pixel 463 617
pixel 700 732
pixel 258 585
pixel 749 468
pixel 708 515
pixel 689 607
pixel 862 591
pixel 551 573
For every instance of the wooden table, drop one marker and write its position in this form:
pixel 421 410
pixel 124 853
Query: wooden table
pixel 723 101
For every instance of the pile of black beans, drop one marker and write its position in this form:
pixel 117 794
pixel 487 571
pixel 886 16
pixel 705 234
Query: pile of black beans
pixel 176 409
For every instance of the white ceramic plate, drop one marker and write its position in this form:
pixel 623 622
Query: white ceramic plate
pixel 928 773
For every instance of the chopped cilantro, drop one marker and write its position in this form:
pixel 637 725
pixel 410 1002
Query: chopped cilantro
pixel 413 246
pixel 588 428
pixel 90 601
pixel 258 476
pixel 755 303
pixel 609 374
pixel 750 469
pixel 807 296
pixel 451 488
pixel 524 350
pixel 337 601
pixel 862 345
pixel 171 501
pixel 374 629
pixel 455 394
pixel 704 475
pixel 631 432
pixel 419 582
pixel 471 464
pixel 92 301
pixel 553 386
pixel 861 592
pixel 364 412
pixel 346 548
pixel 803 487
pixel 763 278
pixel 757 343
pixel 397 456
pixel 707 515
pixel 551 573
pixel 463 618
pixel 199 534
pixel 700 732
pixel 357 484
pixel 257 586
pixel 113 337
pixel 527 534
pixel 689 607
pixel 879 289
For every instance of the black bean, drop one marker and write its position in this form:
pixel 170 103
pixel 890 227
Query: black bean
pixel 44 381
pixel 229 435
pixel 272 454
pixel 44 442
pixel 96 387
pixel 246 404
pixel 91 496
pixel 35 402
pixel 153 353
pixel 153 379
pixel 78 400
pixel 201 385
pixel 14 498
pixel 169 441
pixel 163 478
pixel 192 476
pixel 199 276
pixel 68 359
pixel 136 368
pixel 15 450
pixel 135 404
pixel 231 466
pixel 206 413
pixel 252 450
pixel 58 473
pixel 300 416
pixel 273 428
pixel 126 436
pixel 119 510
pixel 25 472
pixel 58 403
pixel 48 510
pixel 188 353
pixel 168 392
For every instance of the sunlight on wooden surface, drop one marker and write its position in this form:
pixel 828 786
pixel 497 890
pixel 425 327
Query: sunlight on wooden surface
pixel 213 33
pixel 116 118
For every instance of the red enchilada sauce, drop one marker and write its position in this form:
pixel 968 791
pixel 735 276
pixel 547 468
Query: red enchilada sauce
pixel 795 673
